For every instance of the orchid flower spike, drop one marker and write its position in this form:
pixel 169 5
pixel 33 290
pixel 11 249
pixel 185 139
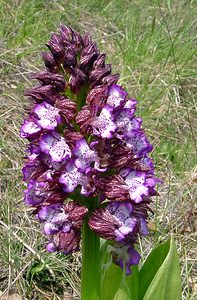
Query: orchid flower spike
pixel 85 141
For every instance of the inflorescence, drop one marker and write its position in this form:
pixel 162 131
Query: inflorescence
pixel 87 155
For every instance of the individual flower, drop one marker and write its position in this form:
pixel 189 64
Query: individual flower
pixel 62 223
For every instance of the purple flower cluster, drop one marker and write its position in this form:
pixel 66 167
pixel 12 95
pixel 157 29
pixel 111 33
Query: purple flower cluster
pixel 86 142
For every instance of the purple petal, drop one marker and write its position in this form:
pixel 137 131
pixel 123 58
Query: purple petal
pixel 127 227
pixel 50 228
pixel 126 124
pixel 51 247
pixel 104 125
pixel 55 145
pixel 29 129
pixel 139 144
pixel 47 116
pixel 124 256
pixel 72 178
pixel 135 182
pixel 35 193
pixel 85 156
pixel 117 96
pixel 46 212
pixel 147 161
pixel 143 227
pixel 122 214
pixel 131 104
pixel 134 256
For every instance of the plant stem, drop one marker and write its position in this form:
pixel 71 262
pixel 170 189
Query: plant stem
pixel 90 277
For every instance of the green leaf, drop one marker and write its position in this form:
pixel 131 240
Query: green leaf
pixel 151 266
pixel 166 283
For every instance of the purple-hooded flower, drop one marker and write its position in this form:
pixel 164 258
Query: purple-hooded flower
pixel 85 141
pixel 118 221
pixel 63 222
pixel 126 124
pixel 125 256
pixel 33 169
pixel 84 155
pixel 138 143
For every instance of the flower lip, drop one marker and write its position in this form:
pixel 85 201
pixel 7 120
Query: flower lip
pixel 35 193
pixel 29 129
pixel 125 256
pixel 117 96
pixel 104 125
pixel 136 185
pixel 73 178
pixel 50 228
pixel 51 247
pixel 55 145
pixel 138 143
pixel 85 156
pixel 47 116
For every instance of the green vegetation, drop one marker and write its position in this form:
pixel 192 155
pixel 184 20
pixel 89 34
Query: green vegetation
pixel 152 45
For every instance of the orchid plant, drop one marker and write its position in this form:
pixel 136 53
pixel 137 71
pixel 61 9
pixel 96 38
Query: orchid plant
pixel 89 173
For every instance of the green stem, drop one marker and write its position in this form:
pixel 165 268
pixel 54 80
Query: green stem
pixel 90 277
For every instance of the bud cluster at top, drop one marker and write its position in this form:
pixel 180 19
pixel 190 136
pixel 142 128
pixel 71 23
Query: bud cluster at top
pixel 87 154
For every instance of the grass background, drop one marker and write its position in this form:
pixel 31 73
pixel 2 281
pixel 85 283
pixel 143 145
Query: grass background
pixel 152 45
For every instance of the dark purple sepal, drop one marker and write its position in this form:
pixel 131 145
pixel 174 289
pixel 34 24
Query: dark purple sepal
pixel 97 96
pixel 49 62
pixel 84 119
pixel 113 187
pixel 76 213
pixel 70 58
pixel 67 242
pixel 110 79
pixel 53 79
pixel 56 48
pixel 100 61
pixel 98 74
pixel 67 108
pixel 77 80
pixel 43 93
pixel 103 223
